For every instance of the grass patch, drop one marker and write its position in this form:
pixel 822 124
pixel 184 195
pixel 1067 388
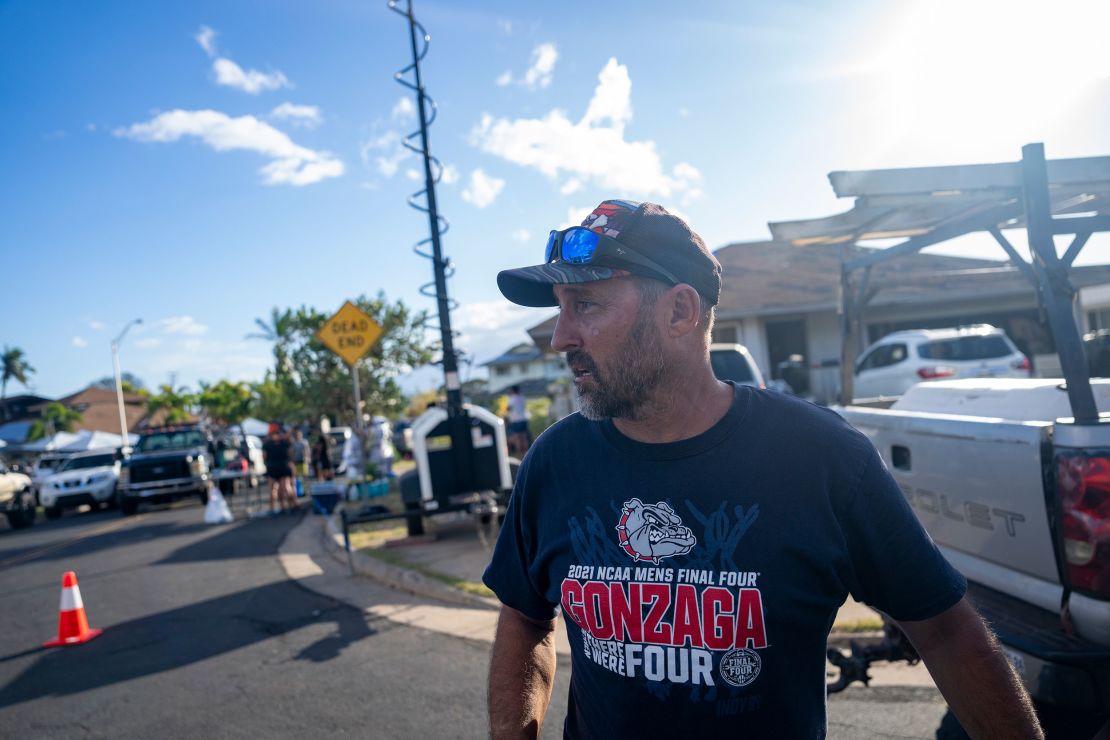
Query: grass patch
pixel 859 625
pixel 393 558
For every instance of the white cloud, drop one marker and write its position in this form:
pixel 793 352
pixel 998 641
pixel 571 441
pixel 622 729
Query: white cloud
pixel 504 79
pixel 413 174
pixel 450 174
pixel 79 342
pixel 230 74
pixel 505 26
pixel 404 110
pixel 394 154
pixel 594 149
pixel 190 360
pixel 489 328
pixel 482 189
pixel 96 325
pixel 291 165
pixel 573 185
pixel 575 216
pixel 206 37
pixel 542 70
pixel 522 235
pixel 684 112
pixel 299 115
pixel 147 343
pixel 181 325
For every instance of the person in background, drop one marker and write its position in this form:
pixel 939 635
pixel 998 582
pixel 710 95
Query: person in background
pixel 321 458
pixel 279 469
pixel 519 438
pixel 302 456
pixel 381 446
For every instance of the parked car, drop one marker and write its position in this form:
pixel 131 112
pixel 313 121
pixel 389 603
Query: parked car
pixel 45 467
pixel 167 463
pixel 734 362
pixel 902 359
pixel 17 498
pixel 85 478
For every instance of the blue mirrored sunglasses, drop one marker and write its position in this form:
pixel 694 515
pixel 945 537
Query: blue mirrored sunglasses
pixel 581 246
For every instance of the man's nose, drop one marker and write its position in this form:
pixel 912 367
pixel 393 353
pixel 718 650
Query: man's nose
pixel 565 337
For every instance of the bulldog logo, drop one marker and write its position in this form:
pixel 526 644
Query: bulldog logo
pixel 653 532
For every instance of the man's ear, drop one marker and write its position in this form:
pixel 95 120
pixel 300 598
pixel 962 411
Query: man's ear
pixel 684 306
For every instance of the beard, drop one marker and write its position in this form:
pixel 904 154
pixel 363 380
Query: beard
pixel 628 383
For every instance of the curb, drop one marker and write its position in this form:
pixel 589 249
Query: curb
pixel 396 576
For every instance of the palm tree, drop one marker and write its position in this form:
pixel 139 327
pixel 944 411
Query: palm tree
pixel 279 331
pixel 15 368
pixel 55 418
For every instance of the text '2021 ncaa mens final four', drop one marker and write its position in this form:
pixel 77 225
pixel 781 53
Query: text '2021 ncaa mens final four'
pixel 699 536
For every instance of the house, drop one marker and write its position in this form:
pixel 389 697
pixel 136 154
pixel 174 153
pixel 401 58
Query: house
pixel 528 366
pixel 782 301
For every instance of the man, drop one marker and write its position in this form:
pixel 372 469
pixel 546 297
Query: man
pixel 519 438
pixel 302 456
pixel 277 453
pixel 700 536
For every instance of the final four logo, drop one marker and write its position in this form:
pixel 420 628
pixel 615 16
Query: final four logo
pixel 653 532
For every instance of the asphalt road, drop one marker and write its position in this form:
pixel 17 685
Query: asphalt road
pixel 206 636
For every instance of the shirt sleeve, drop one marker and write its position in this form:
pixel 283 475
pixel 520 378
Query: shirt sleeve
pixel 894 565
pixel 508 574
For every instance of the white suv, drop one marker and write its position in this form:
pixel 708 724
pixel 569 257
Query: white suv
pixel 86 478
pixel 894 363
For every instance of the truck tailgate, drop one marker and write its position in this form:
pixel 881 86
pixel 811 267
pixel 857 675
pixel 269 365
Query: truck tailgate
pixel 977 486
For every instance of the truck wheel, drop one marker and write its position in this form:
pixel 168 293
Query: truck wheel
pixel 53 512
pixel 128 506
pixel 24 516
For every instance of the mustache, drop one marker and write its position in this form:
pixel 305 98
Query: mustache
pixel 578 358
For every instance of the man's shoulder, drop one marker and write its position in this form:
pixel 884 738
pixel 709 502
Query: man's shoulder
pixel 803 420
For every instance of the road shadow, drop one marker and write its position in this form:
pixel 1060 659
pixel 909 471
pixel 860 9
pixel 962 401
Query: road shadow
pixel 180 637
pixel 239 539
pixel 125 535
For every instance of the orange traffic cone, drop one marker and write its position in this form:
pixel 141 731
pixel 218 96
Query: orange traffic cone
pixel 73 627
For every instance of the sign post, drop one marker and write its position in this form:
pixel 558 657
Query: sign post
pixel 351 333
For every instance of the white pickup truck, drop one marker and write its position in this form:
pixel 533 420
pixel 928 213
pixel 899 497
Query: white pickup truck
pixel 1017 497
pixel 17 499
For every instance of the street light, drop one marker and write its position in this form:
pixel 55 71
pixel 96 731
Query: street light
pixel 119 383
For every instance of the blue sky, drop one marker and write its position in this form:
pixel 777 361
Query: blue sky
pixel 194 164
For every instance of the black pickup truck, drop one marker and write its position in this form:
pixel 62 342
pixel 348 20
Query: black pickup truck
pixel 168 463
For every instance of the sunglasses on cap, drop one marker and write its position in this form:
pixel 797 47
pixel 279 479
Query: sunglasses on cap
pixel 581 246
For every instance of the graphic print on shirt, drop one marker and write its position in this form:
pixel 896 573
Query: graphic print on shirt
pixel 696 620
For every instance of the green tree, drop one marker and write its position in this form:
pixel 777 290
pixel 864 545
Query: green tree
pixel 271 401
pixel 178 404
pixel 15 368
pixel 279 332
pixel 55 418
pixel 225 402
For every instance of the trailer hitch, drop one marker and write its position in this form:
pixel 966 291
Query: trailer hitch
pixel 853 666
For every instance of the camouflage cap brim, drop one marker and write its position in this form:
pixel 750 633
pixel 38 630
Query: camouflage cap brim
pixel 531 286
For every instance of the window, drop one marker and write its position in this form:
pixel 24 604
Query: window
pixel 882 356
pixel 724 334
pixel 966 348
pixel 500 370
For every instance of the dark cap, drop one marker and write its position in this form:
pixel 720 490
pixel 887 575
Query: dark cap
pixel 646 228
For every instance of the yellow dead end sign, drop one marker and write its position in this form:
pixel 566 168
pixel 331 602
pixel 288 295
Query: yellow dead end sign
pixel 350 333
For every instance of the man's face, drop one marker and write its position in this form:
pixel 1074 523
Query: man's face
pixel 612 346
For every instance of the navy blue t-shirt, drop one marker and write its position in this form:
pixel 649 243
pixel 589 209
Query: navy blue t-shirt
pixel 699 579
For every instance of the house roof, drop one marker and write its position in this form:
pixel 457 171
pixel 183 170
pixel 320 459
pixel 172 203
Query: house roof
pixel 776 278
pixel 100 412
pixel 522 352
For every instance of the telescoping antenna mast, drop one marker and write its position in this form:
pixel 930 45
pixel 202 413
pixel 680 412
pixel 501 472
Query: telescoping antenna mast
pixel 433 171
